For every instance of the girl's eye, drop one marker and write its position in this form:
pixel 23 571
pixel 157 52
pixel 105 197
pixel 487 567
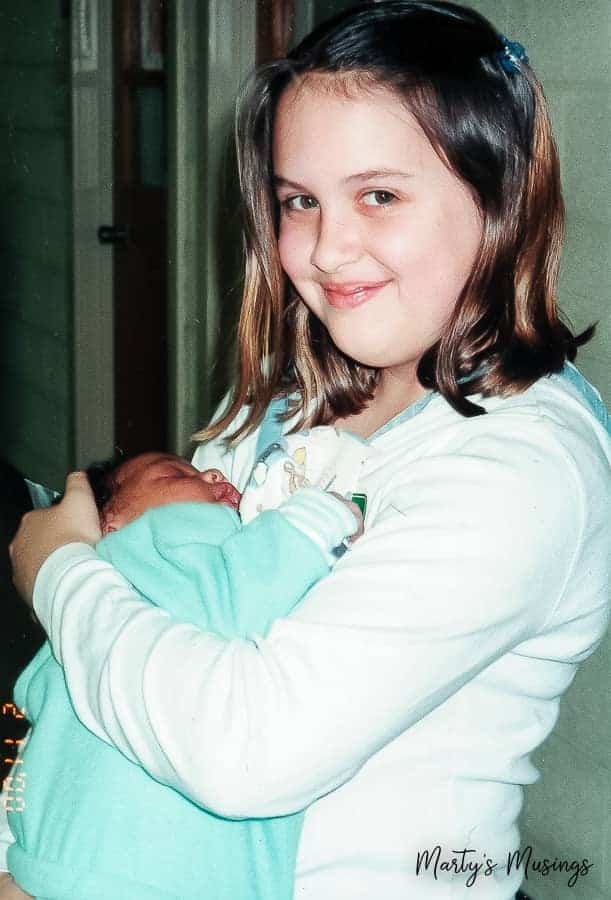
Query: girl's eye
pixel 378 198
pixel 299 203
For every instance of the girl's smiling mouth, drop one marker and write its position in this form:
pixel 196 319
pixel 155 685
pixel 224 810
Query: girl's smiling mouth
pixel 350 294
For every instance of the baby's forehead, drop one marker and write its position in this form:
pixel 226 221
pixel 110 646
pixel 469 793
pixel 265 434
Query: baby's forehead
pixel 138 465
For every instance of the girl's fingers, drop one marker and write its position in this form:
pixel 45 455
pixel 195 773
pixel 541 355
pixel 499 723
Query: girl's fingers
pixel 41 532
pixel 78 507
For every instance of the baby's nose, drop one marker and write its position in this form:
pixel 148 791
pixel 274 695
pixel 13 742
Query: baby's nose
pixel 212 476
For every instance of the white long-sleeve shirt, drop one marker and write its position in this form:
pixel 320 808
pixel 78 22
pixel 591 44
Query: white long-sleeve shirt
pixel 401 699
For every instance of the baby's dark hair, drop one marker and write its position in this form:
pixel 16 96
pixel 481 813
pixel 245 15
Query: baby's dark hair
pixel 101 481
pixel 100 477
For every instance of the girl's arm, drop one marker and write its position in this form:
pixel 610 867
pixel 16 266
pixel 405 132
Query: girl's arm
pixel 471 559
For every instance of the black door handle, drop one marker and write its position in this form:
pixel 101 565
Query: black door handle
pixel 113 234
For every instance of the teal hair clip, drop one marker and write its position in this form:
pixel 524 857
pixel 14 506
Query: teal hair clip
pixel 511 55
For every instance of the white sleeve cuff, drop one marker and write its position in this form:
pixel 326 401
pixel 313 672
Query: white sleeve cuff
pixel 49 574
pixel 321 517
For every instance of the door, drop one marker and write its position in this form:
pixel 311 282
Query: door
pixel 139 228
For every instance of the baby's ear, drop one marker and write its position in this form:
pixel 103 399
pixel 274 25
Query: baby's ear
pixel 107 522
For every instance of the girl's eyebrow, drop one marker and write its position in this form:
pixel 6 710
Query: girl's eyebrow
pixel 280 182
pixel 378 173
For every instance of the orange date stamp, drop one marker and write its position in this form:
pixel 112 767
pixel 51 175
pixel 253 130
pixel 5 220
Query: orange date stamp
pixel 14 785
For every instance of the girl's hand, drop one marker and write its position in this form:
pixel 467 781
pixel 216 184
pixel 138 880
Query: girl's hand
pixel 11 891
pixel 356 510
pixel 42 531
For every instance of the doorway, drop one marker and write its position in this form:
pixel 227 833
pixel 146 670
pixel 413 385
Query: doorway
pixel 120 200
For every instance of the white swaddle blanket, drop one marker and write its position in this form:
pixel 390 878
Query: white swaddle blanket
pixel 318 457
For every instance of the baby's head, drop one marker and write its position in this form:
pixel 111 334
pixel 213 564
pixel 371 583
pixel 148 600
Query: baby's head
pixel 125 490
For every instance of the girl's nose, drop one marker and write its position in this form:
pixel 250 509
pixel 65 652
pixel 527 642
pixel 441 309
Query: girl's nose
pixel 212 476
pixel 337 244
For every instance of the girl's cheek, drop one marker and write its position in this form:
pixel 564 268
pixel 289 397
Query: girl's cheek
pixel 392 243
pixel 295 248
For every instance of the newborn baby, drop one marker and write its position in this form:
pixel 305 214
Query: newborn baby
pixel 90 821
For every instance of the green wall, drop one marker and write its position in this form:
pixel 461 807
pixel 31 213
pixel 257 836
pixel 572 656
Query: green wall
pixel 568 45
pixel 35 239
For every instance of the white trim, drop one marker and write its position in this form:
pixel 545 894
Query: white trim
pixel 214 49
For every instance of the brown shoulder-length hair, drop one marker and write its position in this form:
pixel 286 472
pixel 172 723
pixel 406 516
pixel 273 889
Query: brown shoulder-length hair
pixel 488 122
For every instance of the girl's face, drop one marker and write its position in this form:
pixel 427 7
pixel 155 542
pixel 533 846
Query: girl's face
pixel 376 234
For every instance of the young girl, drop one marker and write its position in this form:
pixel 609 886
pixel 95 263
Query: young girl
pixel 403 227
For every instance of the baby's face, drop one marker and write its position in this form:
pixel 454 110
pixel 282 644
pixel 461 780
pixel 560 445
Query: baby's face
pixel 156 479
